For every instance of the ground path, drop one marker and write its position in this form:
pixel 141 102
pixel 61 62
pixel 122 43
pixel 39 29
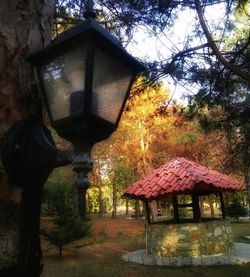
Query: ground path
pixel 99 255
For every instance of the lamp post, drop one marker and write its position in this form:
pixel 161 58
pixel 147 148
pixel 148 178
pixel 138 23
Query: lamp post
pixel 85 76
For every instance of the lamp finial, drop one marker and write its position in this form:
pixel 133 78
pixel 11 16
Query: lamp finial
pixel 89 9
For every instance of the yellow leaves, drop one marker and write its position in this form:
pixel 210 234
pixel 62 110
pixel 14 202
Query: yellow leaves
pixel 145 140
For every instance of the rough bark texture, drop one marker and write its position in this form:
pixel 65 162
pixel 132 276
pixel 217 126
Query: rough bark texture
pixel 137 209
pixel 100 200
pixel 210 201
pixel 114 200
pixel 127 207
pixel 25 26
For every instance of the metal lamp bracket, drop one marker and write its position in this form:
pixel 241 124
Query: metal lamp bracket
pixel 28 153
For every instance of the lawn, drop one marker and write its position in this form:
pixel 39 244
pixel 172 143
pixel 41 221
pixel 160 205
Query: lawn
pixel 99 254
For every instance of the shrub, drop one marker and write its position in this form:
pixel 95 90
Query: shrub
pixel 68 226
pixel 235 209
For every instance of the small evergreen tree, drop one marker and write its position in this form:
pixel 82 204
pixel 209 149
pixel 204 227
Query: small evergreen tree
pixel 68 226
pixel 235 209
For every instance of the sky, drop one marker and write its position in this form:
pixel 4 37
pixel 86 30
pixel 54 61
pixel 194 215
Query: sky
pixel 143 46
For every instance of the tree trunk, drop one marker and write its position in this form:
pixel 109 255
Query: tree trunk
pixel 196 208
pixel 210 201
pixel 153 209
pixel 137 209
pixel 25 27
pixel 202 206
pixel 60 251
pixel 87 203
pixel 147 210
pixel 114 202
pixel 222 204
pixel 175 208
pixel 127 207
pixel 100 201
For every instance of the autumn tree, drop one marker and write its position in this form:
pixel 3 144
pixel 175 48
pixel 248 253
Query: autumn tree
pixel 97 177
pixel 152 132
pixel 121 176
pixel 213 55
pixel 213 58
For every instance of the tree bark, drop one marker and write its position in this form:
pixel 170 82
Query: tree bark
pixel 87 203
pixel 114 202
pixel 137 209
pixel 26 26
pixel 210 201
pixel 175 208
pixel 127 207
pixel 100 200
pixel 60 251
pixel 196 207
pixel 147 209
pixel 202 205
pixel 222 204
pixel 153 209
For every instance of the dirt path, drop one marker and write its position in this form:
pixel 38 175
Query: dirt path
pixel 108 237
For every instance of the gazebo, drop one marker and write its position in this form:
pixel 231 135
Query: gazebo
pixel 198 236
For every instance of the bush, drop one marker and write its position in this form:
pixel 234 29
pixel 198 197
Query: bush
pixel 57 191
pixel 68 226
pixel 235 209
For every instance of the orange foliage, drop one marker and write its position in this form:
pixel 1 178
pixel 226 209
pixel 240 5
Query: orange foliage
pixel 152 132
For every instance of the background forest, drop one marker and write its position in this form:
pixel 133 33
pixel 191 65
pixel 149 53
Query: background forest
pixel 206 58
pixel 152 131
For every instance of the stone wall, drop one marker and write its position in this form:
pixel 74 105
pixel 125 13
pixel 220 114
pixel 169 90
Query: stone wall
pixel 190 239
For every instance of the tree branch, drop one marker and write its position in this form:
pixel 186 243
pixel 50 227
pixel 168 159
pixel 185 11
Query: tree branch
pixel 170 67
pixel 234 69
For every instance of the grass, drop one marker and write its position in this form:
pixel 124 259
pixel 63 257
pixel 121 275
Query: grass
pixel 240 230
pixel 99 254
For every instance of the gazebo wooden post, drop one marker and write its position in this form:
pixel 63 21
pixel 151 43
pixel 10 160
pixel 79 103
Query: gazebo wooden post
pixel 196 207
pixel 223 212
pixel 176 209
pixel 147 210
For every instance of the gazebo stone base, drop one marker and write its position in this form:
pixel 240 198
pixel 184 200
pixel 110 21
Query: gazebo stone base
pixel 212 237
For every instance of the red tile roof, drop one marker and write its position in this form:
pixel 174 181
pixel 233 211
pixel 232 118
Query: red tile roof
pixel 181 176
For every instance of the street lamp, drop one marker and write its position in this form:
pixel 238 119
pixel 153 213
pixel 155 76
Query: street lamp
pixel 85 76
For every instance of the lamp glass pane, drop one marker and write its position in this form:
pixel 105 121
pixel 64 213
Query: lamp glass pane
pixel 111 81
pixel 64 81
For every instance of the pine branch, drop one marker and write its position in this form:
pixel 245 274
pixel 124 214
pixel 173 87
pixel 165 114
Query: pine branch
pixel 234 69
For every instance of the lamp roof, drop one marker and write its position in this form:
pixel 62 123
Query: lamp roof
pixel 90 28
